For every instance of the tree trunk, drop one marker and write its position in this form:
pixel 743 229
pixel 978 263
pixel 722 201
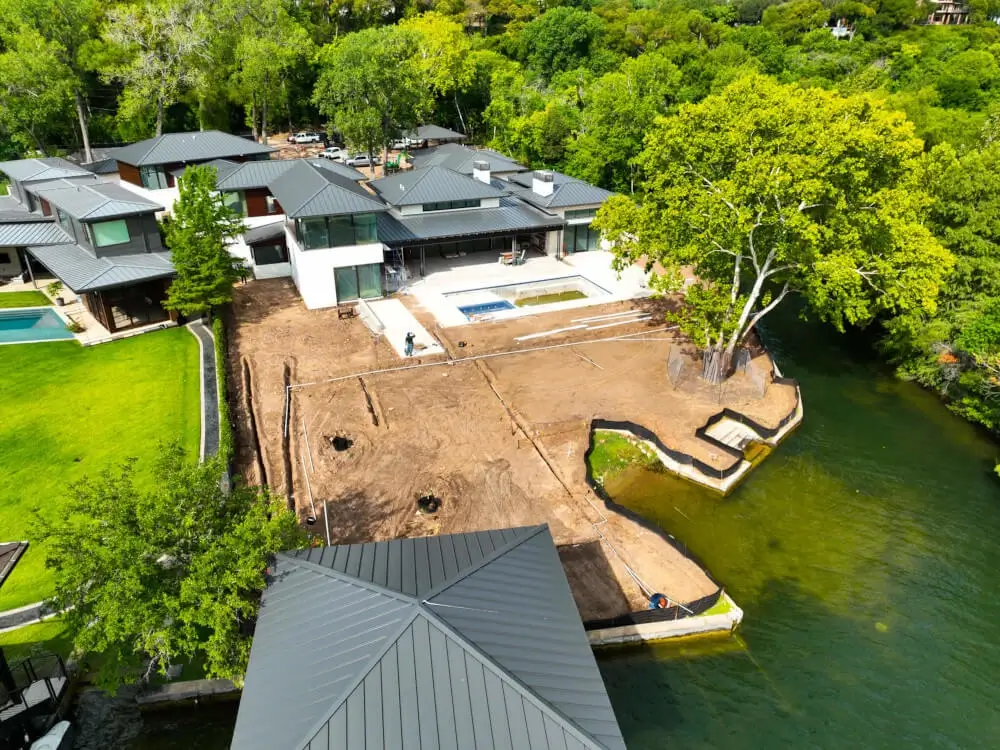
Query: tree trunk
pixel 716 364
pixel 81 114
pixel 253 120
pixel 159 116
pixel 461 119
pixel 263 120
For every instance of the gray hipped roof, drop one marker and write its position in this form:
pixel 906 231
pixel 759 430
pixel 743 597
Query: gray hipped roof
pixel 459 158
pixel 259 174
pixel 222 167
pixel 82 272
pixel 566 191
pixel 464 641
pixel 32 233
pixel 91 201
pixel 48 168
pixel 177 148
pixel 11 210
pixel 436 133
pixel 431 184
pixel 511 216
pixel 265 232
pixel 305 190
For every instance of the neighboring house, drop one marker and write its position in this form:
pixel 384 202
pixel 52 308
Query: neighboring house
pixel 571 199
pixel 466 641
pixel 435 134
pixel 148 167
pixel 947 13
pixel 333 245
pixel 99 239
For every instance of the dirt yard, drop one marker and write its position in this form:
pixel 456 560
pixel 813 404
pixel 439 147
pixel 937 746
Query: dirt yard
pixel 500 440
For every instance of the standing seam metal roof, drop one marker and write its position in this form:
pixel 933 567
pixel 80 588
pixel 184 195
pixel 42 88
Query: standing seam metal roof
pixel 305 190
pixel 566 191
pixel 459 158
pixel 82 272
pixel 176 148
pixel 431 184
pixel 32 233
pixel 258 174
pixel 94 200
pixel 463 641
pixel 48 168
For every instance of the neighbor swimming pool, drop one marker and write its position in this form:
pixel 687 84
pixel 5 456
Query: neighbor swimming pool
pixel 31 324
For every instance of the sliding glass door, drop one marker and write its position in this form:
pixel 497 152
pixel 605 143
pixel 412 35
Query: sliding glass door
pixel 354 282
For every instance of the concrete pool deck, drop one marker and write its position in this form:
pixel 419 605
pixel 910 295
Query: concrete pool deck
pixel 472 276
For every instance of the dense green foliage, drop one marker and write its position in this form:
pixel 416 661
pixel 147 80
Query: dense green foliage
pixel 571 86
pixel 146 577
pixel 199 226
pixel 138 391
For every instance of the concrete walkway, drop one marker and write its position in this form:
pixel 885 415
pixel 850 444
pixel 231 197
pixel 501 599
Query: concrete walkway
pixel 26 615
pixel 209 389
pixel 397 321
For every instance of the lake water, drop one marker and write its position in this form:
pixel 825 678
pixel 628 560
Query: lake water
pixel 865 553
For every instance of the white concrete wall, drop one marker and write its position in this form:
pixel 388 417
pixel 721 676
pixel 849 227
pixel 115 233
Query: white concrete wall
pixel 312 270
pixel 165 197
pixel 14 267
pixel 553 243
pixel 240 249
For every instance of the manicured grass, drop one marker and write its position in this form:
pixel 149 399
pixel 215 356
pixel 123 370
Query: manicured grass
pixel 49 636
pixel 545 299
pixel 69 411
pixel 613 453
pixel 23 299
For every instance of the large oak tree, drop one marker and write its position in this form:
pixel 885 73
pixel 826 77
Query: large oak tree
pixel 767 190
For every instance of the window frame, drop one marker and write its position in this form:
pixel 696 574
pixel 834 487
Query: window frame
pixel 92 233
pixel 157 171
pixel 339 221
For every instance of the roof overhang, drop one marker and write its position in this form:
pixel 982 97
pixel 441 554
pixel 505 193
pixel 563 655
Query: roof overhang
pixel 82 272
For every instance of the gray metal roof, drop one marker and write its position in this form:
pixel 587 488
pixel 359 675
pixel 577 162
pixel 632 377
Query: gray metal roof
pixel 259 174
pixel 94 200
pixel 463 641
pixel 436 133
pixel 511 216
pixel 12 210
pixel 32 233
pixel 102 166
pixel 265 232
pixel 431 184
pixel 307 190
pixel 222 167
pixel 82 272
pixel 48 168
pixel 176 148
pixel 459 158
pixel 566 191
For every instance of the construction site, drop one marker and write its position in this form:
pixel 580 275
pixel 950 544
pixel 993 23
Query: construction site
pixel 493 432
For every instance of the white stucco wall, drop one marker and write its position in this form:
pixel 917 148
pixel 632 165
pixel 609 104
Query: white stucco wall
pixel 165 197
pixel 312 270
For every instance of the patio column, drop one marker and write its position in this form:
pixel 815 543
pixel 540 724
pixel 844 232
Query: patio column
pixel 27 262
pixel 423 271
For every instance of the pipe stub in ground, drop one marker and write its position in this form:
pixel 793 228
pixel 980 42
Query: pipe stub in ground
pixel 428 504
pixel 310 520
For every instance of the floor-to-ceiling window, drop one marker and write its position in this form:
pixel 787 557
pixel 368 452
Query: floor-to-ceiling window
pixel 578 238
pixel 358 282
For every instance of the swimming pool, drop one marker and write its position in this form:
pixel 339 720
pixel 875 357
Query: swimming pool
pixel 485 307
pixel 31 324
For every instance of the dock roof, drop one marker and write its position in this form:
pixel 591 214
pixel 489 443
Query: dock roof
pixel 465 641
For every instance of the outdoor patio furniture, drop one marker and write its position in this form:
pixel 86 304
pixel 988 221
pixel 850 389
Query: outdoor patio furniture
pixel 346 311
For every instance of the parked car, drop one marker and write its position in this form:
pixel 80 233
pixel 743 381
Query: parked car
pixel 334 153
pixel 361 160
pixel 307 136
pixel 399 145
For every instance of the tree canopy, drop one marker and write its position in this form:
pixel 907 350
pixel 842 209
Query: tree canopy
pixel 145 578
pixel 765 190
pixel 196 234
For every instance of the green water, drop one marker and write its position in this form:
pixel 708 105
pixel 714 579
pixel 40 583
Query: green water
pixel 865 552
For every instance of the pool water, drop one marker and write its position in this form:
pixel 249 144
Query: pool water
pixel 30 325
pixel 482 308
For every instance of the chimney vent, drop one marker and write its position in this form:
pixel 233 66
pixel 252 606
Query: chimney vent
pixel 542 183
pixel 481 171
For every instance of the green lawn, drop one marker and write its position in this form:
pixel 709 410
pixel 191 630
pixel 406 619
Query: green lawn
pixel 23 299
pixel 49 635
pixel 68 411
pixel 613 453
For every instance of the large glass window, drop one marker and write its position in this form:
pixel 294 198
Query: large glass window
pixel 235 202
pixel 581 213
pixel 107 233
pixel 63 218
pixel 580 238
pixel 355 282
pixel 264 255
pixel 153 178
pixel 337 231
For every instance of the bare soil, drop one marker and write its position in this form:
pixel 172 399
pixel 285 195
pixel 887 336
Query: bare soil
pixel 500 440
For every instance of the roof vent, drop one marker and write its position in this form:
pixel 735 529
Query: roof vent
pixel 481 171
pixel 542 183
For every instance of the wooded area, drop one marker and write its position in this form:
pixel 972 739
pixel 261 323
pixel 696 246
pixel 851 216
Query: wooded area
pixel 579 87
